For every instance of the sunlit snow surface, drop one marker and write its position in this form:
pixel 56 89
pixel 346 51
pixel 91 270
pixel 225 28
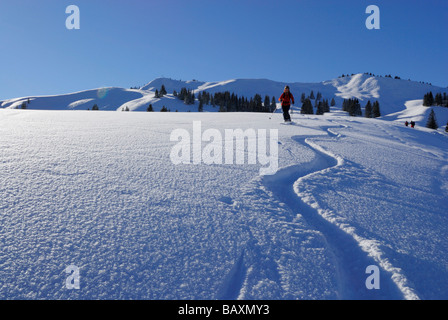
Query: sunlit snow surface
pixel 98 190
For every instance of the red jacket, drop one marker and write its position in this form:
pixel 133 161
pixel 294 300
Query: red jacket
pixel 286 98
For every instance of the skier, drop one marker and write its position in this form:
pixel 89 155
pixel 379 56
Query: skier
pixel 406 123
pixel 286 99
pixel 412 124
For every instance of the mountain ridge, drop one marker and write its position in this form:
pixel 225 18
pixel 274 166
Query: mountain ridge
pixel 393 95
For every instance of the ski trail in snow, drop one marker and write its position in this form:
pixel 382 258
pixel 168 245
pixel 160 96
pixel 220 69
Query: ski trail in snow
pixel 388 131
pixel 352 253
pixel 235 280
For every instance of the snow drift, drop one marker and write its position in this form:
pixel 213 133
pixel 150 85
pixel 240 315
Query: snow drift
pixel 98 190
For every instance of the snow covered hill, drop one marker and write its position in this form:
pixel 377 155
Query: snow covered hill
pixel 99 191
pixel 105 98
pixel 395 95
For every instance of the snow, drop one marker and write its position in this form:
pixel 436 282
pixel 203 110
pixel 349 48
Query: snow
pixel 357 87
pixel 105 98
pixel 98 190
pixel 392 94
pixel 417 112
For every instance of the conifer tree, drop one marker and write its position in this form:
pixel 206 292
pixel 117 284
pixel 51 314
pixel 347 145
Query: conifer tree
pixel 376 109
pixel 432 122
pixel 368 110
pixel 347 105
pixel 320 108
pixel 438 100
pixel 356 108
pixel 150 109
pixel 425 100
pixel 162 91
pixel 186 98
pixel 267 104
pixel 429 100
pixel 333 103
pixel 352 106
pixel 307 107
pixel 273 104
pixel 326 106
pixel 257 104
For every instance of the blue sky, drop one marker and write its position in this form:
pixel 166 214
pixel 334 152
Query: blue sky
pixel 129 43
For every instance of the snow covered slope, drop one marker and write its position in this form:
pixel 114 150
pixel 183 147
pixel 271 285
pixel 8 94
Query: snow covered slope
pixel 105 98
pixel 417 112
pixel 99 191
pixel 393 94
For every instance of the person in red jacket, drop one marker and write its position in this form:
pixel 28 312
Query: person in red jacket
pixel 286 98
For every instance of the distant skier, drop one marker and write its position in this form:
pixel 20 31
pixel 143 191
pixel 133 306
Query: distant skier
pixel 286 98
pixel 406 123
pixel 412 124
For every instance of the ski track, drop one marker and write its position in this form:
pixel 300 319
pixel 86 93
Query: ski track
pixel 388 131
pixel 235 280
pixel 352 253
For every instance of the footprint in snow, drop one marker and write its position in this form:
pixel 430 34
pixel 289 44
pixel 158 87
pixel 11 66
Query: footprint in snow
pixel 229 201
pixel 226 200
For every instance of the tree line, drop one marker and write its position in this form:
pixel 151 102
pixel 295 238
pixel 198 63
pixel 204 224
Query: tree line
pixel 231 102
pixel 439 99
pixel 227 101
pixel 385 76
pixel 353 107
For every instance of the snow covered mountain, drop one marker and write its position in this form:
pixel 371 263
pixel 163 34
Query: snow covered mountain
pixel 99 191
pixel 399 99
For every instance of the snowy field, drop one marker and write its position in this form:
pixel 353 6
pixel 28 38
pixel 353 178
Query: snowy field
pixel 98 190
